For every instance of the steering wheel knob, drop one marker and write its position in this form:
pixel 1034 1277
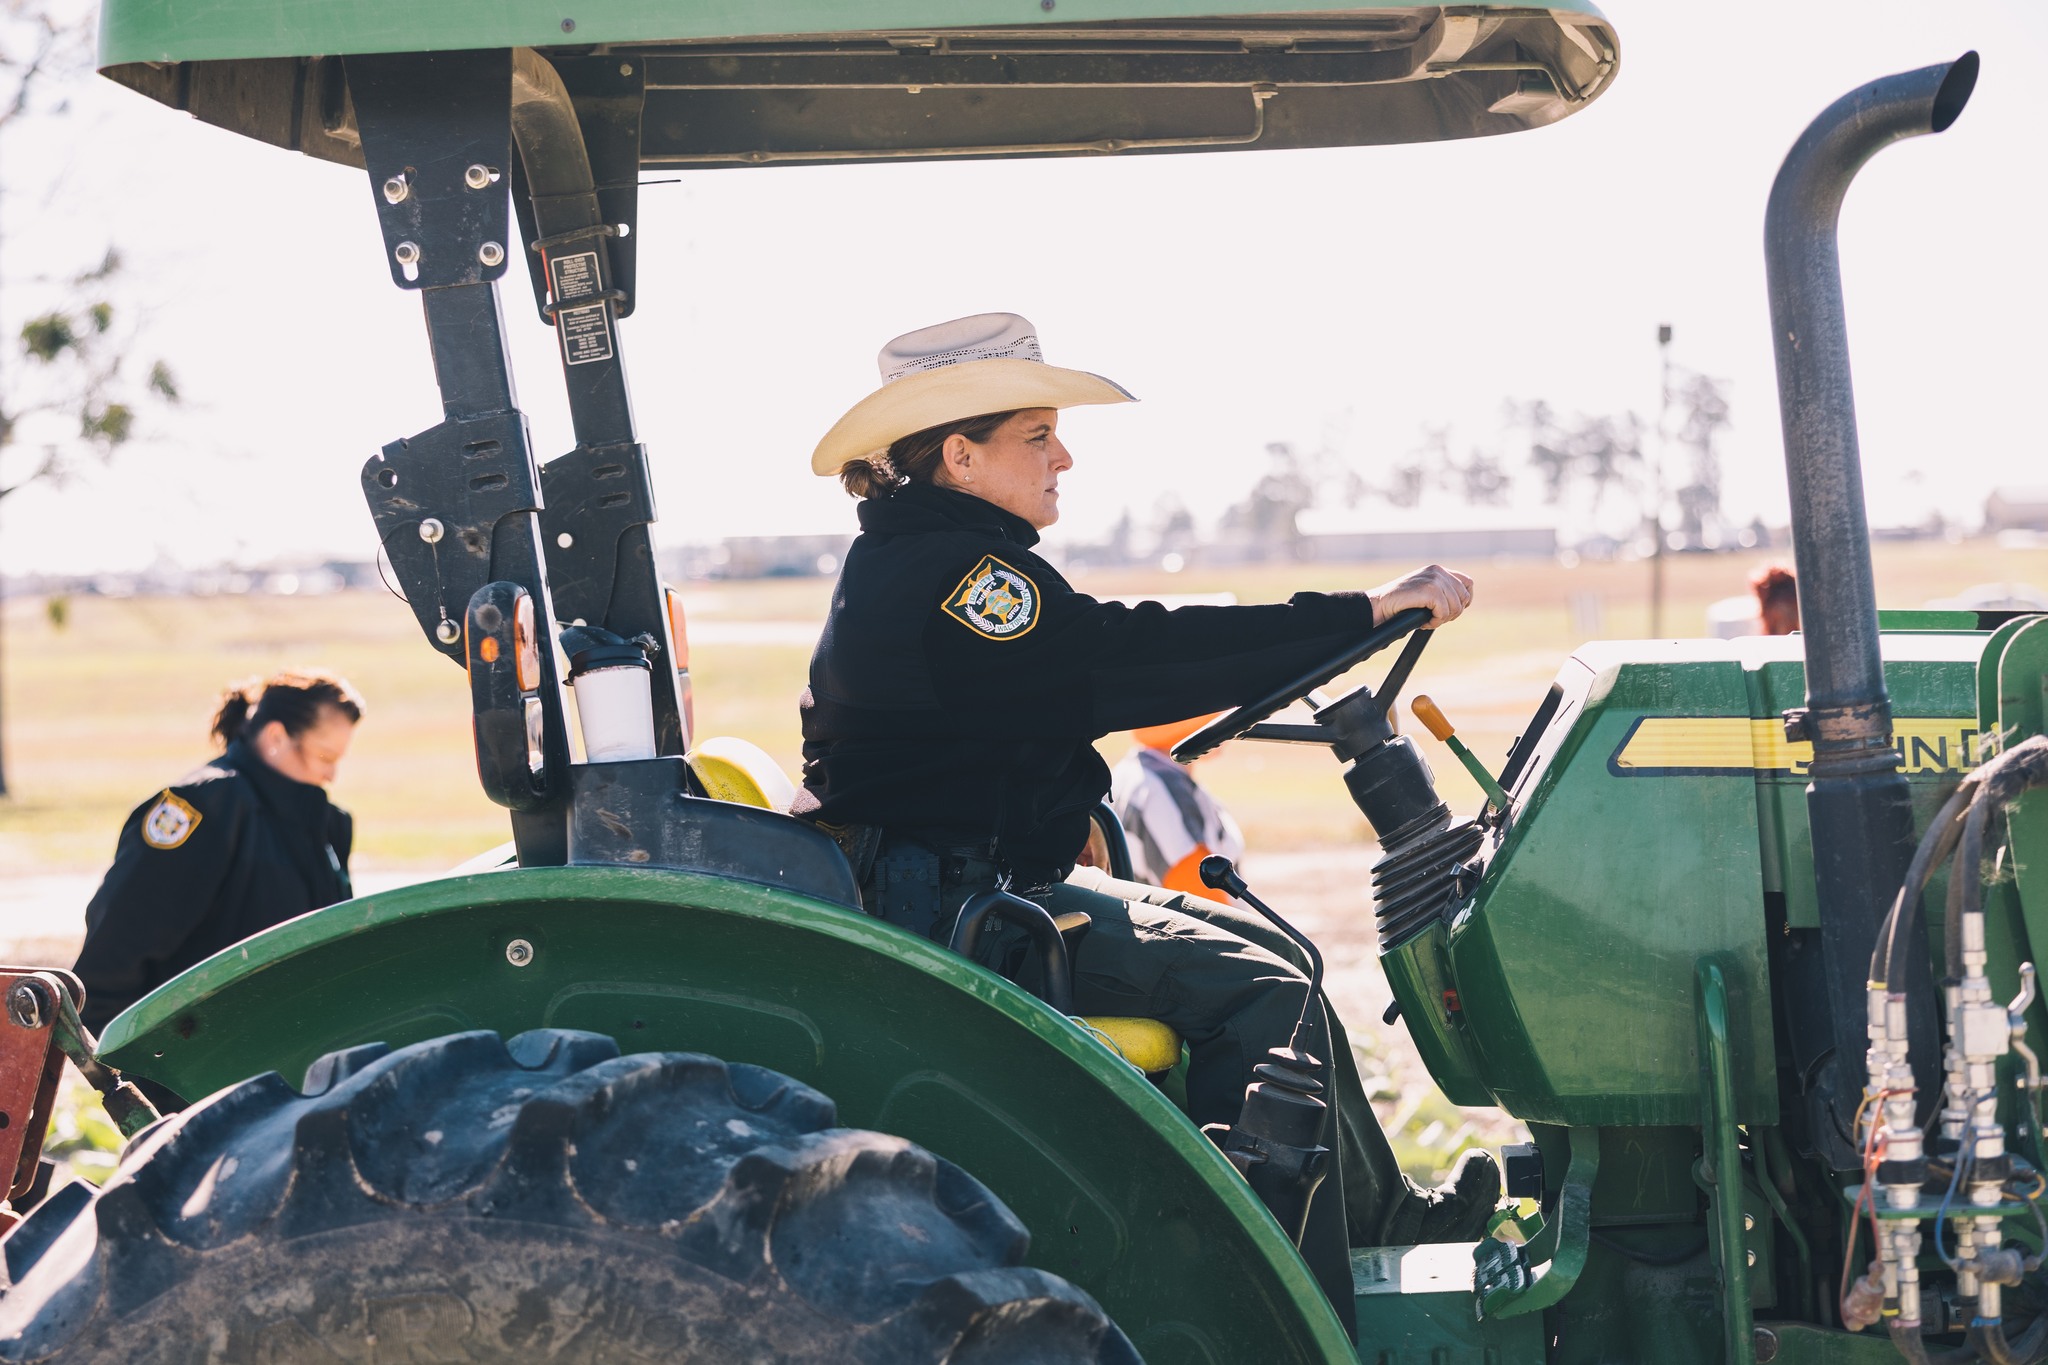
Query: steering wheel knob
pixel 1432 718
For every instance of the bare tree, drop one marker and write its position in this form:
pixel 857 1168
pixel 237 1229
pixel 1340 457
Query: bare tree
pixel 1480 479
pixel 1702 405
pixel 1602 455
pixel 69 390
pixel 1477 478
pixel 1266 519
pixel 1172 526
pixel 1407 478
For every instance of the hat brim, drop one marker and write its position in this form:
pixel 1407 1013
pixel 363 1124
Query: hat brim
pixel 954 394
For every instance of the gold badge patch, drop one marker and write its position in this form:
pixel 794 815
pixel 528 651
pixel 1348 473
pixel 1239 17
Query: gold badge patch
pixel 170 822
pixel 994 600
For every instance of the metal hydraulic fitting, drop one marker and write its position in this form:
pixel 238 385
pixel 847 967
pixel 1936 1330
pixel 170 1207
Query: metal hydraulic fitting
pixel 1904 1167
pixel 1966 1258
pixel 1902 1263
pixel 1955 1089
pixel 1980 1032
pixel 2006 1265
pixel 2016 1020
pixel 1864 1304
pixel 1984 1030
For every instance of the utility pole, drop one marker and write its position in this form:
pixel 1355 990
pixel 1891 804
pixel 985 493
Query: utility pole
pixel 1657 484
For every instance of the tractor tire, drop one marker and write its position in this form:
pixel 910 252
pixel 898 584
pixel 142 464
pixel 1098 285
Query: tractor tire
pixel 467 1199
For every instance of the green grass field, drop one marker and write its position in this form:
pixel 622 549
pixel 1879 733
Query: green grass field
pixel 109 708
pixel 103 712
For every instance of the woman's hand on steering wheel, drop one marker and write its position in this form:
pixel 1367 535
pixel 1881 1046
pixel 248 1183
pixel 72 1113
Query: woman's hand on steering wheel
pixel 1420 602
pixel 1444 593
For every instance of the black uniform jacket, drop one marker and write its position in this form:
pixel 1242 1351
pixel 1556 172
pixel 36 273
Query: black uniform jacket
pixel 233 849
pixel 960 683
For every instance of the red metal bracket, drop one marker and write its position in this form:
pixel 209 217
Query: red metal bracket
pixel 31 1065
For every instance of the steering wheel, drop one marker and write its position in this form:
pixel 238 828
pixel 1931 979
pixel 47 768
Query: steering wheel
pixel 1225 728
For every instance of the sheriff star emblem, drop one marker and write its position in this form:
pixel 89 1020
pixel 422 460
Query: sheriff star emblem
pixel 994 600
pixel 170 822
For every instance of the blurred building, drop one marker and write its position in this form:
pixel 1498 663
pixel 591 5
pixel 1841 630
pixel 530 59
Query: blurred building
pixel 2020 507
pixel 1342 535
pixel 757 557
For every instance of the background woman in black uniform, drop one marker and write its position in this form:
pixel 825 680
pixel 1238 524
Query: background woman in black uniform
pixel 247 841
pixel 960 683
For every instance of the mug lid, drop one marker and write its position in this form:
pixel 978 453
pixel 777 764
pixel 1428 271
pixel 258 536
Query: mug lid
pixel 591 648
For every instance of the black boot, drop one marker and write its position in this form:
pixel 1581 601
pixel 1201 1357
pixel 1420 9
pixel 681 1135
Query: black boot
pixel 1455 1211
pixel 1382 1206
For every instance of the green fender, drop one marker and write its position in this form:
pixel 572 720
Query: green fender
pixel 1123 1195
pixel 156 30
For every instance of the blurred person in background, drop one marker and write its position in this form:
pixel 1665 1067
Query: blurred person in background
pixel 1777 600
pixel 245 842
pixel 1170 820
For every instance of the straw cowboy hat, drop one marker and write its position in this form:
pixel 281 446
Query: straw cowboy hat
pixel 948 373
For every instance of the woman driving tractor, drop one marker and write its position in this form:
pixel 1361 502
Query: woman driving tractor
pixel 959 686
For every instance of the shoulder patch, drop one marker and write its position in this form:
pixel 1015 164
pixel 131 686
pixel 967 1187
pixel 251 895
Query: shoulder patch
pixel 994 600
pixel 170 821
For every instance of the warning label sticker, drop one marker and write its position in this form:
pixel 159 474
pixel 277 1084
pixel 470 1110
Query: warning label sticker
pixel 586 332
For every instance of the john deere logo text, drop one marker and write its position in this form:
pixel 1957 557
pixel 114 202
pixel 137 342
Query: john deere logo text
pixel 994 600
pixel 1661 745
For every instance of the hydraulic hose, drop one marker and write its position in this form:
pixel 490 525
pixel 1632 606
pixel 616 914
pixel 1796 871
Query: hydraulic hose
pixel 1943 832
pixel 1987 1338
pixel 2001 780
pixel 1960 828
pixel 1767 1181
pixel 1910 1344
pixel 1956 907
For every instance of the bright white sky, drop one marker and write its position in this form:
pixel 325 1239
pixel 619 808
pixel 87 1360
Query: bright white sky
pixel 1347 296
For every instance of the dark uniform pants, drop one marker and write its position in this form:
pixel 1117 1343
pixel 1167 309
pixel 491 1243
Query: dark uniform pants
pixel 1223 978
pixel 1232 986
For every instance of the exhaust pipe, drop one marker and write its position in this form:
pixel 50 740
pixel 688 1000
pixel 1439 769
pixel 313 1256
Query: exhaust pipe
pixel 1858 804
pixel 1844 680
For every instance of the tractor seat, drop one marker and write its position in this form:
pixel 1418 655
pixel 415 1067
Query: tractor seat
pixel 1146 1044
pixel 734 770
pixel 745 774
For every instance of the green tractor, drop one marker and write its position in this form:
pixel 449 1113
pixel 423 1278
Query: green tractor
pixel 576 1109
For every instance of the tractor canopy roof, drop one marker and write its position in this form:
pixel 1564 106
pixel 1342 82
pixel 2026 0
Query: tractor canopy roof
pixel 766 82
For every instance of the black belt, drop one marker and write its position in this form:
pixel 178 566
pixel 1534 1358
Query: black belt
pixel 946 842
pixel 964 856
pixel 913 876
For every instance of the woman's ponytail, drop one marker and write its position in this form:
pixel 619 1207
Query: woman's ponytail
pixel 294 698
pixel 235 705
pixel 873 478
pixel 916 458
